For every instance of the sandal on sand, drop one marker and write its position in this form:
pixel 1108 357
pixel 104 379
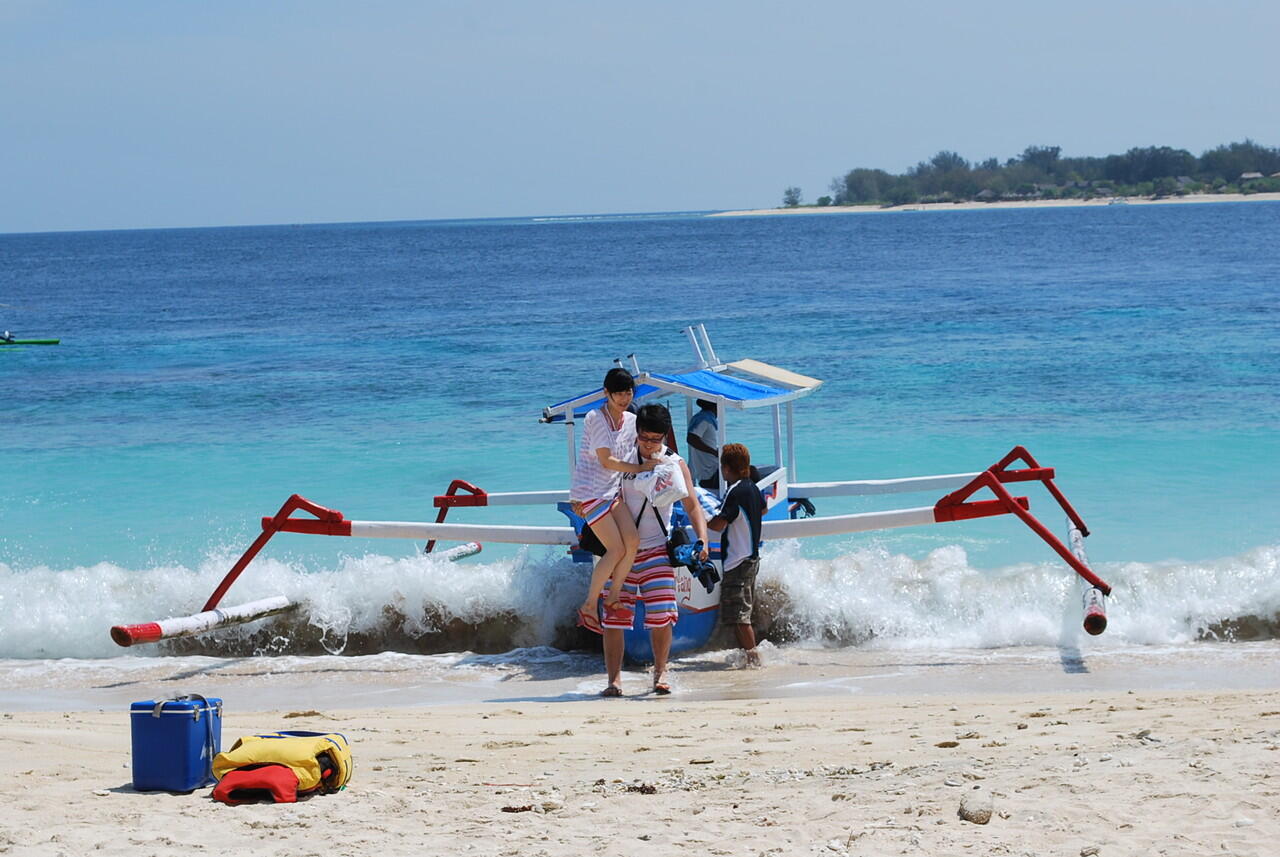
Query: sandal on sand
pixel 611 691
pixel 661 688
pixel 590 621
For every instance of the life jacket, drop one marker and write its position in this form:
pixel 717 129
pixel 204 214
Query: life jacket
pixel 256 765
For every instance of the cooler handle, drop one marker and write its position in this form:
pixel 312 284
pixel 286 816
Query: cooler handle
pixel 186 697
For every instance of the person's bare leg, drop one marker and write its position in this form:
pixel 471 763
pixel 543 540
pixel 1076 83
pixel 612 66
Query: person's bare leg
pixel 660 640
pixel 613 652
pixel 626 528
pixel 747 641
pixel 606 529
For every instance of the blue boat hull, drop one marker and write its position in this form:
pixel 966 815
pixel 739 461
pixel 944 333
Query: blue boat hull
pixel 693 631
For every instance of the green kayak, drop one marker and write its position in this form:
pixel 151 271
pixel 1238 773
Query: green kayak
pixel 29 341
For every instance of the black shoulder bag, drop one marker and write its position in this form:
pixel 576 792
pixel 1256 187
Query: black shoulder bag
pixel 677 538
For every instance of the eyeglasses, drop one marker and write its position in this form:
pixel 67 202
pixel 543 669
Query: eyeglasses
pixel 651 438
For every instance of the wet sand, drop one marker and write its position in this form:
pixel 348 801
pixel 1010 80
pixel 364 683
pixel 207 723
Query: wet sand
pixel 393 680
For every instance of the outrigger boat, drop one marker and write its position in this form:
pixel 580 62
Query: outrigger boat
pixel 734 387
pixel 4 341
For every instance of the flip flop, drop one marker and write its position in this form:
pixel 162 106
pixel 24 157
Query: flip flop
pixel 611 692
pixel 616 612
pixel 661 688
pixel 589 621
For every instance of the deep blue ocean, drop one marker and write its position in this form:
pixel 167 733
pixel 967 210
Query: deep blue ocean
pixel 205 375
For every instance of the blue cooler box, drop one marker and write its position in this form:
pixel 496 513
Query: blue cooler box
pixel 174 742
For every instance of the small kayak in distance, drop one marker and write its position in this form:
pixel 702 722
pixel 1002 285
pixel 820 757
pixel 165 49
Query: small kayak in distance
pixel 29 341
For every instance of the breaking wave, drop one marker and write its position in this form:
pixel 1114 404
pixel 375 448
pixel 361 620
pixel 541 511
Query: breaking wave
pixel 863 597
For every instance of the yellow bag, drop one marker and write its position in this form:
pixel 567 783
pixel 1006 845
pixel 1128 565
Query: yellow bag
pixel 304 753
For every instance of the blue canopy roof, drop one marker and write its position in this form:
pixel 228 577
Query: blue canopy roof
pixel 726 386
pixel 700 383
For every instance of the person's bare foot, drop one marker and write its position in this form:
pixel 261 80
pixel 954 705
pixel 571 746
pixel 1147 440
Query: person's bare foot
pixel 660 685
pixel 752 657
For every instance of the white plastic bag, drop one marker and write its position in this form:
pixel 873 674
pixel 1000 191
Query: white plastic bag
pixel 663 485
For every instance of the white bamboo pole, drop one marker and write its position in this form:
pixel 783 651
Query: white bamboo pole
pixel 463 532
pixel 863 487
pixel 837 524
pixel 185 626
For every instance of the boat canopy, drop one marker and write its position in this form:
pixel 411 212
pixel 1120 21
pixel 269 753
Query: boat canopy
pixel 753 384
pixel 739 385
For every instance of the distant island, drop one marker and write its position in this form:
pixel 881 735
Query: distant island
pixel 1042 174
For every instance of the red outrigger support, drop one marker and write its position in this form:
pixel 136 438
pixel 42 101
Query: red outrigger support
pixel 450 498
pixel 330 522
pixel 954 507
pixel 327 522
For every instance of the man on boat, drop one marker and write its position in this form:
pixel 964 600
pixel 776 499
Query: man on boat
pixel 652 579
pixel 8 337
pixel 701 437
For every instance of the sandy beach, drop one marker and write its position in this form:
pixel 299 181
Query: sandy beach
pixel 1094 769
pixel 1030 203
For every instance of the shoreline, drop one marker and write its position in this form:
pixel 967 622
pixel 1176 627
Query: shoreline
pixel 1190 199
pixel 569 679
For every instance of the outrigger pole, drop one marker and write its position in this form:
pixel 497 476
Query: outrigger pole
pixel 211 618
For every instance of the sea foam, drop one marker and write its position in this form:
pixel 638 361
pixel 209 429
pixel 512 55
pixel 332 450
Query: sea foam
pixel 865 596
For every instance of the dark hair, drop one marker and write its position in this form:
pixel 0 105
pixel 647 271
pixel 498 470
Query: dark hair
pixel 618 381
pixel 737 458
pixel 653 418
pixel 703 403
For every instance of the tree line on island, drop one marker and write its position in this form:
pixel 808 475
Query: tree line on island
pixel 1041 172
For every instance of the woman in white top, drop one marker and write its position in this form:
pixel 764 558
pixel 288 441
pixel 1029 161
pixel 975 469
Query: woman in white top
pixel 608 437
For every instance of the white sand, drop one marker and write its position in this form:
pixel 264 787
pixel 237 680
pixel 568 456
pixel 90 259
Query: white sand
pixel 1031 203
pixel 1124 771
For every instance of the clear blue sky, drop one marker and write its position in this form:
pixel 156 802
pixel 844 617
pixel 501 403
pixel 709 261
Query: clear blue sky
pixel 140 114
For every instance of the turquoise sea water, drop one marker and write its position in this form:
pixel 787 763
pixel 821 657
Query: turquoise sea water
pixel 207 374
